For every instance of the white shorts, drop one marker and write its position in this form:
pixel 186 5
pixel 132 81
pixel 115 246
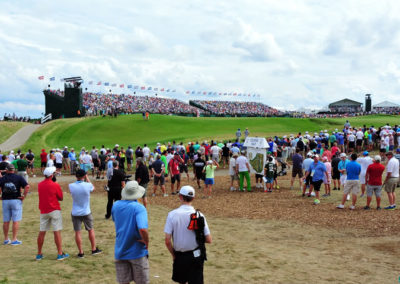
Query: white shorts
pixel 343 179
pixel 362 178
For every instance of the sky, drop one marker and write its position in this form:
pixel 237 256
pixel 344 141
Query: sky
pixel 295 54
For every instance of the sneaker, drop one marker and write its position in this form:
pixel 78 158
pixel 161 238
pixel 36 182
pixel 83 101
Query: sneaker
pixel 378 208
pixel 107 217
pixel 325 195
pixel 173 193
pixel 16 243
pixel 80 255
pixel 367 208
pixel 6 242
pixel 394 206
pixel 96 251
pixel 165 194
pixel 352 207
pixel 362 195
pixel 340 206
pixel 334 188
pixel 316 202
pixel 389 207
pixel 153 194
pixel 62 256
pixel 303 195
pixel 39 256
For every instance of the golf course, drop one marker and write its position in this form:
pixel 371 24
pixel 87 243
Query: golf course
pixel 279 237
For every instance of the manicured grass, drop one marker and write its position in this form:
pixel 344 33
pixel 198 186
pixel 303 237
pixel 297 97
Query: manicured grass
pixel 132 130
pixel 8 128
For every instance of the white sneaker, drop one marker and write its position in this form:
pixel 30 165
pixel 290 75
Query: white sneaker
pixel 340 206
pixel 165 194
pixel 352 207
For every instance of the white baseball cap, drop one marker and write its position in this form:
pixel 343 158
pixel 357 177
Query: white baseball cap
pixel 49 171
pixel 187 190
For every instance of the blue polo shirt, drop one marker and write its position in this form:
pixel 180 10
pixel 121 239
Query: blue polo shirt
pixel 317 170
pixel 129 217
pixel 353 170
pixel 342 165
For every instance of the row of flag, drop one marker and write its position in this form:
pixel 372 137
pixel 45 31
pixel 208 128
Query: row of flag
pixel 144 88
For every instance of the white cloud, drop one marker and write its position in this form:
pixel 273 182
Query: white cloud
pixel 298 51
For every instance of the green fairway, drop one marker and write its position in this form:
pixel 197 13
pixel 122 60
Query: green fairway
pixel 8 128
pixel 132 130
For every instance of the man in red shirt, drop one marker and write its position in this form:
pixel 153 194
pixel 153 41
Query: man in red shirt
pixel 373 179
pixel 173 169
pixel 43 160
pixel 50 194
pixel 334 149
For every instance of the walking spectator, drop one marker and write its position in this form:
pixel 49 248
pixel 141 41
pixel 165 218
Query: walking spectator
pixel 364 161
pixel 142 177
pixel 209 181
pixel 297 168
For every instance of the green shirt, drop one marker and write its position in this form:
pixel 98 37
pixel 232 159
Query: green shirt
pixel 22 165
pixel 164 160
pixel 332 138
pixel 210 171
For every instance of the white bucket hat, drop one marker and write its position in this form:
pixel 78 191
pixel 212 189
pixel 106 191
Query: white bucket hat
pixel 132 191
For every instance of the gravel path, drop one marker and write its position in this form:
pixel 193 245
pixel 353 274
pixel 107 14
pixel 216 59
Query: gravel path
pixel 19 138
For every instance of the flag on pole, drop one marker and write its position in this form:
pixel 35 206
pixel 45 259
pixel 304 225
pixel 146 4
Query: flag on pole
pixel 129 86
pixel 187 92
pixel 41 77
pixel 52 78
pixel 136 87
pixel 156 89
pixel 61 80
pixel 173 90
pixel 193 92
pixel 204 93
pixel 114 85
pixel 234 94
pixel 167 90
pixel 99 83
pixel 90 82
pixel 122 85
pixel 162 90
pixel 106 84
pixel 149 88
pixel 143 88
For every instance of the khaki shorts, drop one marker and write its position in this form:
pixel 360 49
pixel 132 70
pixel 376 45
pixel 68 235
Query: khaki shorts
pixel 136 270
pixel 87 220
pixel 391 184
pixel 53 218
pixel 351 186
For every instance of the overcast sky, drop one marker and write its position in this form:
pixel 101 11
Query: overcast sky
pixel 293 53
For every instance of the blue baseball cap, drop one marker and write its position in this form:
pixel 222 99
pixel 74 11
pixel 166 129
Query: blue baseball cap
pixel 365 153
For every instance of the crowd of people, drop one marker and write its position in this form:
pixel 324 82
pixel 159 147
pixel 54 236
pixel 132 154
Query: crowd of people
pixel 235 108
pixel 98 104
pixel 337 160
pixel 14 117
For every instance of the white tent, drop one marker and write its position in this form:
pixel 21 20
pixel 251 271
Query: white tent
pixel 386 104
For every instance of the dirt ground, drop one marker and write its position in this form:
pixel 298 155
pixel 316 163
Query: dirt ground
pixel 282 204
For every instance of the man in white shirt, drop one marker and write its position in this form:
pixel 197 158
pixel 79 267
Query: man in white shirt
pixel 351 140
pixel 59 160
pixel 180 239
pixel 364 161
pixel 146 153
pixel 81 213
pixel 360 137
pixel 392 178
pixel 232 170
pixel 243 170
pixel 215 151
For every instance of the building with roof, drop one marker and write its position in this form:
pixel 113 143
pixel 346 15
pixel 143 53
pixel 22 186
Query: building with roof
pixel 386 107
pixel 346 106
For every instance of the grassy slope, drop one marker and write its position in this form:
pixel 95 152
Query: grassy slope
pixel 9 128
pixel 132 130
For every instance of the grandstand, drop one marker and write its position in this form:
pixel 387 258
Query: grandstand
pixel 230 108
pixel 98 104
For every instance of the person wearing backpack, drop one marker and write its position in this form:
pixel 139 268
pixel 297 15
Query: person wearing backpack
pixel 186 231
